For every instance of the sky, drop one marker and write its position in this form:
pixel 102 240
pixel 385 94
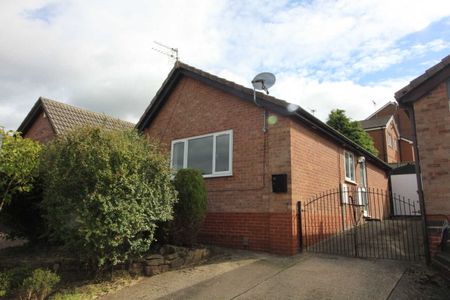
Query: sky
pixel 352 55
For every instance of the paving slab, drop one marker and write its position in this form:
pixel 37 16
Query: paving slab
pixel 246 275
pixel 325 277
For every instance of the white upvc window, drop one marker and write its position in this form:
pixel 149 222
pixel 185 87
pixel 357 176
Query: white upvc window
pixel 389 140
pixel 211 153
pixel 349 162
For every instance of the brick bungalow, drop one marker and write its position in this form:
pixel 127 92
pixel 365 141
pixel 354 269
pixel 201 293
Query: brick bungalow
pixel 427 99
pixel 391 132
pixel 212 124
pixel 49 118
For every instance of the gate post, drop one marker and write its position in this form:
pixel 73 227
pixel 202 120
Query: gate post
pixel 299 226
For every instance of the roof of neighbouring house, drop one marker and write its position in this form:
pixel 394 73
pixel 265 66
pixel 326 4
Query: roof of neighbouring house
pixel 279 106
pixel 379 122
pixel 381 109
pixel 421 85
pixel 63 117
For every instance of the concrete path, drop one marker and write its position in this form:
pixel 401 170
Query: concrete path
pixel 246 275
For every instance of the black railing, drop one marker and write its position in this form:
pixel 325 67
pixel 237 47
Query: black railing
pixel 361 222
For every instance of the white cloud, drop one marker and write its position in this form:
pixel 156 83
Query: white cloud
pixel 98 54
pixel 322 97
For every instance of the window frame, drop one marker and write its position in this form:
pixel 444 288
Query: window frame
pixel 389 140
pixel 349 179
pixel 214 135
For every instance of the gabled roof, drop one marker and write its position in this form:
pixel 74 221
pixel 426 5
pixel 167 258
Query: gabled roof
pixel 420 86
pixel 279 106
pixel 381 109
pixel 63 117
pixel 380 122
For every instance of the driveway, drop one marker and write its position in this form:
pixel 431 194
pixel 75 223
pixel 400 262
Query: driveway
pixel 246 275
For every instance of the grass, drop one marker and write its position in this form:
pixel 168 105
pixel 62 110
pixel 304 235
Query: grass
pixel 92 289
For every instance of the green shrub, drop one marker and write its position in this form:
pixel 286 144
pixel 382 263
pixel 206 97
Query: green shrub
pixel 104 191
pixel 11 280
pixel 17 276
pixel 38 285
pixel 5 283
pixel 19 161
pixel 190 210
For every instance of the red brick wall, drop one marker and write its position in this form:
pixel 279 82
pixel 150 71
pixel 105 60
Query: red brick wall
pixel 388 110
pixel 401 118
pixel 406 151
pixel 379 141
pixel 404 123
pixel 432 116
pixel 242 207
pixel 41 130
pixel 393 153
pixel 318 169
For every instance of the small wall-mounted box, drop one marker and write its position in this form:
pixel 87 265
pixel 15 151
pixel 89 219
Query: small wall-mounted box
pixel 279 183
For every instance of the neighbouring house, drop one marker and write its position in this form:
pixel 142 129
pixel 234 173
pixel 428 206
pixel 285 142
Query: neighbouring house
pixel 385 136
pixel 49 118
pixel 390 130
pixel 427 100
pixel 258 158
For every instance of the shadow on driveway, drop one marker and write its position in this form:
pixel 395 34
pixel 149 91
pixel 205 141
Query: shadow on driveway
pixel 247 275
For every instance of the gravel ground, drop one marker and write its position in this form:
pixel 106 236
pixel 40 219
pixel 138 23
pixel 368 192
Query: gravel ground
pixel 421 282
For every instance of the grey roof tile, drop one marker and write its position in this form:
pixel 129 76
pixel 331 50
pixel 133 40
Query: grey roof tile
pixel 376 122
pixel 65 117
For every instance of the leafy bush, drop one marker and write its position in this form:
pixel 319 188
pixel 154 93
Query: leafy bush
pixel 103 193
pixel 12 279
pixel 38 285
pixel 190 210
pixel 5 283
pixel 19 160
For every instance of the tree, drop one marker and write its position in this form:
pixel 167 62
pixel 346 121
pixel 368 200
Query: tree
pixel 190 210
pixel 351 129
pixel 19 161
pixel 104 191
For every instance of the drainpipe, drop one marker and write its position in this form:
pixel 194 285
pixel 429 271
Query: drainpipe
pixel 419 185
pixel 385 150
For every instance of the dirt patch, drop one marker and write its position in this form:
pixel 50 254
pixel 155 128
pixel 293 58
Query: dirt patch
pixel 421 282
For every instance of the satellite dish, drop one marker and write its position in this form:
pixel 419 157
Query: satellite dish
pixel 263 81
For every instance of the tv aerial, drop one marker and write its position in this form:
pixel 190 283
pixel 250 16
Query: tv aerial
pixel 166 50
pixel 262 82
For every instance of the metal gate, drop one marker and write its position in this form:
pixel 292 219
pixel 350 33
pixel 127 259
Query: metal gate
pixel 361 222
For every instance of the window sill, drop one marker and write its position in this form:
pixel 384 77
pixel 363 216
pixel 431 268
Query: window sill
pixel 350 181
pixel 217 175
